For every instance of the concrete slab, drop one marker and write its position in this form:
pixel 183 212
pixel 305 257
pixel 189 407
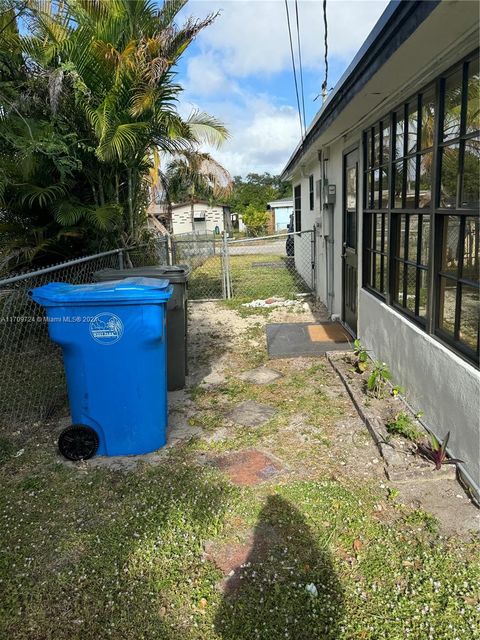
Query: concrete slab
pixel 290 340
pixel 261 375
pixel 251 413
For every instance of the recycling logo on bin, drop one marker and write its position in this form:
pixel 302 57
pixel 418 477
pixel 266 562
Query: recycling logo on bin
pixel 106 328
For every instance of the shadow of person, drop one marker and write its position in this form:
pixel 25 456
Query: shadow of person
pixel 267 597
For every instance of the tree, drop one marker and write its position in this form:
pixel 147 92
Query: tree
pixel 196 174
pixel 255 220
pixel 257 190
pixel 88 110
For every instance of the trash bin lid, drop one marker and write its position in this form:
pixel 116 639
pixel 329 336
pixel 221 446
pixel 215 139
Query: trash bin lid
pixel 174 274
pixel 137 290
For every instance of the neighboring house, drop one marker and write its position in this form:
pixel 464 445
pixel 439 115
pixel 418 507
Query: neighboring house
pixel 388 175
pixel 281 210
pixel 206 218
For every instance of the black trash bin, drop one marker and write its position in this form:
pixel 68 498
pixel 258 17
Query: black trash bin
pixel 176 313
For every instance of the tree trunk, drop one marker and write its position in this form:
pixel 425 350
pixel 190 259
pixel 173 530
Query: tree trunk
pixel 130 202
pixel 100 188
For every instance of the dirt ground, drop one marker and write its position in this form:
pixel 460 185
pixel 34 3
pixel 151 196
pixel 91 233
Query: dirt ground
pixel 268 515
pixel 223 343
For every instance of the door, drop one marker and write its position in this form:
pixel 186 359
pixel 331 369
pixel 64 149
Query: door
pixel 349 254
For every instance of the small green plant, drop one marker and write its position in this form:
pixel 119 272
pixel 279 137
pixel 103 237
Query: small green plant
pixel 377 380
pixel 361 355
pixel 403 425
pixel 436 451
pixel 397 390
pixel 392 493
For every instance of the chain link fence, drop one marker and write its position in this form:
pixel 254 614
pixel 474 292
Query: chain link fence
pixel 32 387
pixel 204 255
pixel 281 265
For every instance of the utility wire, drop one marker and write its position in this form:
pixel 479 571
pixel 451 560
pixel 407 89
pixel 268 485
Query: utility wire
pixel 325 85
pixel 293 67
pixel 324 92
pixel 301 70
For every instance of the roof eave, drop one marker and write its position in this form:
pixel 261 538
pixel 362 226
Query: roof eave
pixel 399 20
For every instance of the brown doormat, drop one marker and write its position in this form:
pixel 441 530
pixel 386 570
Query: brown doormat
pixel 331 332
pixel 295 339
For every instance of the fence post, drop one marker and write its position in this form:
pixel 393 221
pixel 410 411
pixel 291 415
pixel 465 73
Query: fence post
pixel 314 260
pixel 121 264
pixel 227 257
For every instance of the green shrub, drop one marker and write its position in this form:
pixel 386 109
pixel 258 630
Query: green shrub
pixel 403 425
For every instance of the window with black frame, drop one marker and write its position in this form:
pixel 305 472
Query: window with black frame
pixel 311 192
pixel 434 160
pixel 414 131
pixel 457 237
pixel 377 202
pixel 297 196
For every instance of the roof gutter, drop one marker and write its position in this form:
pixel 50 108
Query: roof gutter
pixel 400 19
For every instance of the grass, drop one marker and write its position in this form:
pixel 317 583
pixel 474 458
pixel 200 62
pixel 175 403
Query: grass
pixel 249 282
pixel 104 554
pixel 89 554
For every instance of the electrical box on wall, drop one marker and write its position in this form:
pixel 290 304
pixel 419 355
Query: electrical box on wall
pixel 331 194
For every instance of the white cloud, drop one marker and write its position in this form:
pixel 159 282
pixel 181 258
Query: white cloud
pixel 249 42
pixel 262 134
pixel 205 76
pixel 252 35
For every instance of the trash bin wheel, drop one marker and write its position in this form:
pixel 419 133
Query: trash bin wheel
pixel 78 442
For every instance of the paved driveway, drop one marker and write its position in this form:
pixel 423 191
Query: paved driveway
pixel 276 248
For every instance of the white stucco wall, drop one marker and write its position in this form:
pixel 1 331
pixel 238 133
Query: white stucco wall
pixel 436 380
pixel 324 246
pixel 182 220
pixel 303 263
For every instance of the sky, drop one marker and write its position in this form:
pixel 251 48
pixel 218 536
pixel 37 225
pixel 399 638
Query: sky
pixel 239 70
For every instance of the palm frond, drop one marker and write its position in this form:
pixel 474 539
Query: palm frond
pixel 34 195
pixel 206 128
pixel 105 217
pixel 122 142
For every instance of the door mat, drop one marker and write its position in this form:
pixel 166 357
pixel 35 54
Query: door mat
pixel 290 340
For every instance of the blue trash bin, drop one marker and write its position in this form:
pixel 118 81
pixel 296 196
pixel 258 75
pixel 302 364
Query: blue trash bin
pixel 113 337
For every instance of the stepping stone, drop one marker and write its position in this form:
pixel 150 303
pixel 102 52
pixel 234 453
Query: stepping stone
pixel 261 375
pixel 251 414
pixel 213 379
pixel 248 467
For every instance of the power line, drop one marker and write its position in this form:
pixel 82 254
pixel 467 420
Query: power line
pixel 293 67
pixel 324 85
pixel 300 65
pixel 324 92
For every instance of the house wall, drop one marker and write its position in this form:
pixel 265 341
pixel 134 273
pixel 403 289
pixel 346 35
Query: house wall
pixel 182 218
pixel 437 381
pixel 282 217
pixel 302 242
pixel 327 222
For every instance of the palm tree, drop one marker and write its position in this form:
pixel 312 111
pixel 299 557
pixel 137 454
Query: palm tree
pixel 197 172
pixel 105 76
